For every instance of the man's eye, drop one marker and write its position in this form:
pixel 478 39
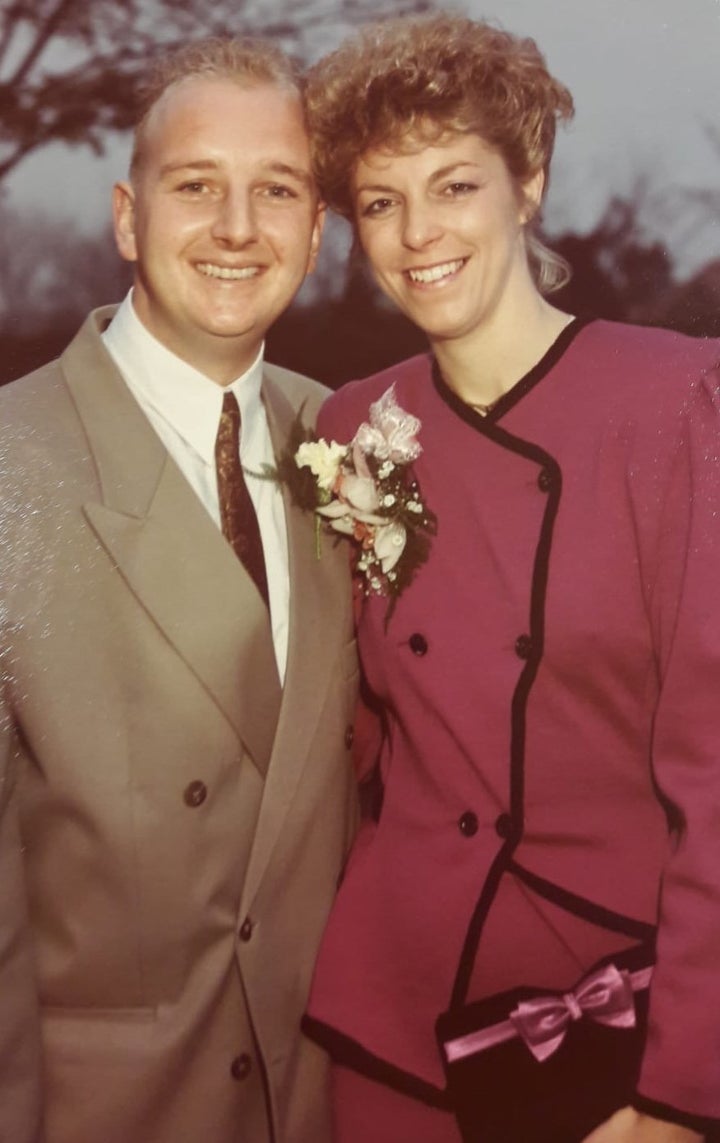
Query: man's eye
pixel 278 190
pixel 192 187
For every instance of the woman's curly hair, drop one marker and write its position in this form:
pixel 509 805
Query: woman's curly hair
pixel 426 76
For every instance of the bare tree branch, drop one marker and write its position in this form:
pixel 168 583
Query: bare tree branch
pixel 80 63
pixel 42 39
pixel 11 22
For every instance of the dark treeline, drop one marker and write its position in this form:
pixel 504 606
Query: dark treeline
pixel 616 275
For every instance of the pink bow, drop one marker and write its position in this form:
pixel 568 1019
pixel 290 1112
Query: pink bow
pixel 605 995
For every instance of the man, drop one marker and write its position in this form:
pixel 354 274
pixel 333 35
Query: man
pixel 175 795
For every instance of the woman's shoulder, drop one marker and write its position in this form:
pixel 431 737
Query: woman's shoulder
pixel 659 350
pixel 350 405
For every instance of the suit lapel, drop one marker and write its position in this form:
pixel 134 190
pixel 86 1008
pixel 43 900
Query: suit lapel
pixel 319 611
pixel 170 553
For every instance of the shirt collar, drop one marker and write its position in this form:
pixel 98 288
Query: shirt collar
pixel 188 400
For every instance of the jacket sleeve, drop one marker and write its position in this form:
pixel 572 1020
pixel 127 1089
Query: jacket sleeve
pixel 20 1052
pixel 680 1077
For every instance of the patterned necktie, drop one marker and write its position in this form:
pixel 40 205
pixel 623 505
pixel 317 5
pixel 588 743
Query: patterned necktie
pixel 237 515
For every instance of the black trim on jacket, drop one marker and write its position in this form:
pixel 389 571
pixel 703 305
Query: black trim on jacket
pixel 350 1054
pixel 710 1128
pixel 343 1048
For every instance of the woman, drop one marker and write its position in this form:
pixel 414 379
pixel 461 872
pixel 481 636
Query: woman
pixel 543 692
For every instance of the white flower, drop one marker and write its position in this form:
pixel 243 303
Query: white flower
pixel 391 433
pixel 389 544
pixel 359 492
pixel 343 515
pixel 322 459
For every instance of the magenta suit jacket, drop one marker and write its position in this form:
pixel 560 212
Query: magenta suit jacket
pixel 550 696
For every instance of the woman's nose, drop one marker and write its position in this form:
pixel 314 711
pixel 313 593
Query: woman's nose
pixel 420 225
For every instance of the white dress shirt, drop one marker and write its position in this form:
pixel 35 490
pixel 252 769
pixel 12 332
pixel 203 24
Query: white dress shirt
pixel 184 406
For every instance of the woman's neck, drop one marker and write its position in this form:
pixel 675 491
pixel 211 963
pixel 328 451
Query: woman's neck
pixel 486 364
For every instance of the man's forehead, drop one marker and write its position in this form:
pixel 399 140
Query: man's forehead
pixel 187 94
pixel 200 115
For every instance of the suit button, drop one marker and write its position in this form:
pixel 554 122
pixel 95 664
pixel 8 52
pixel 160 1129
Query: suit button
pixel 545 480
pixel 468 824
pixel 195 794
pixel 523 646
pixel 418 644
pixel 241 1066
pixel 246 930
pixel 504 826
pixel 349 737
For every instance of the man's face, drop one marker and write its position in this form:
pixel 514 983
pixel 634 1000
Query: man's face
pixel 222 219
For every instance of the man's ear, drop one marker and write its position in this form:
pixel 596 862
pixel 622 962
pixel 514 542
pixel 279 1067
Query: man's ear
pixel 317 233
pixel 123 204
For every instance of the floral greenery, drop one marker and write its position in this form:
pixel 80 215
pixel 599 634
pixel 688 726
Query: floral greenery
pixel 300 482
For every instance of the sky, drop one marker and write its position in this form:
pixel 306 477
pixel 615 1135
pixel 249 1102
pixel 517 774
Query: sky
pixel 645 76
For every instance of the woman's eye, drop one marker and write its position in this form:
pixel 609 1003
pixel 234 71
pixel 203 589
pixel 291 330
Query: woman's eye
pixel 377 206
pixel 455 190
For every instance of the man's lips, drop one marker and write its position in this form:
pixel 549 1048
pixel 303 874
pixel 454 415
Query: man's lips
pixel 228 273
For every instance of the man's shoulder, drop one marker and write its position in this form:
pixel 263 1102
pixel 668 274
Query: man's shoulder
pixel 30 396
pixel 36 388
pixel 298 389
pixel 39 417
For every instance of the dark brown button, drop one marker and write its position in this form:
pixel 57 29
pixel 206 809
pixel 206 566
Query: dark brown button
pixel 523 646
pixel 349 736
pixel 241 1066
pixel 246 930
pixel 418 644
pixel 545 480
pixel 504 826
pixel 468 824
pixel 195 794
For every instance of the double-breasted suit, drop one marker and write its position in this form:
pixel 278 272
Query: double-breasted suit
pixel 172 824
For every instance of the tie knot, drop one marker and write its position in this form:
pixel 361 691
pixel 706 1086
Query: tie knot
pixel 227 442
pixel 230 407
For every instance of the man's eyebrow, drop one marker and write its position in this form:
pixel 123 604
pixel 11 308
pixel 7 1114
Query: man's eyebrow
pixel 298 173
pixel 286 170
pixel 188 165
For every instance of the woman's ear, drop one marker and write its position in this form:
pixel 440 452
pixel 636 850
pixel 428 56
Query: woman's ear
pixel 532 193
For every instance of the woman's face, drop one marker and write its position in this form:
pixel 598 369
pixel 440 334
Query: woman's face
pixel 441 224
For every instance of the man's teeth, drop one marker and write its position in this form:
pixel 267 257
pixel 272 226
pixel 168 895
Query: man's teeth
pixel 435 273
pixel 232 273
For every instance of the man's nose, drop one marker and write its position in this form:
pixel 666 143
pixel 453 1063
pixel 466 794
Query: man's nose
pixel 235 222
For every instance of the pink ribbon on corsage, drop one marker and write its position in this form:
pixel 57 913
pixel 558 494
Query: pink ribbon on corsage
pixel 605 995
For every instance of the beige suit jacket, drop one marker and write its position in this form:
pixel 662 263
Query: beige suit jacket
pixel 172 828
